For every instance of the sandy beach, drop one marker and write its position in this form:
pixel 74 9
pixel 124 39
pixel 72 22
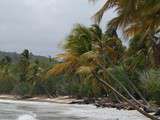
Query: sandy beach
pixel 59 99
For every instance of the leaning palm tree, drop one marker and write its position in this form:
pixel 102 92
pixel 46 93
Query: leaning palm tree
pixel 83 46
pixel 87 48
pixel 77 43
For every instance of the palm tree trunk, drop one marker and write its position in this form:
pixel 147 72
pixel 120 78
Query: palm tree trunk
pixel 156 50
pixel 124 88
pixel 124 98
pixel 136 89
pixel 138 103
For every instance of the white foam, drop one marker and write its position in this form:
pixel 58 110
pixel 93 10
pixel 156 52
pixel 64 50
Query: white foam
pixel 27 117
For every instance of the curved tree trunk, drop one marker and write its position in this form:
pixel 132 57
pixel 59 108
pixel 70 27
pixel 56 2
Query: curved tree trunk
pixel 124 98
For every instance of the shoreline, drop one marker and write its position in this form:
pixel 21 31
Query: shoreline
pixel 70 100
pixel 99 103
pixel 67 111
pixel 59 99
pixel 102 102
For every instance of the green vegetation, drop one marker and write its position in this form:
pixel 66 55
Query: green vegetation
pixel 151 85
pixel 25 74
pixel 94 59
pixel 91 51
pixel 102 65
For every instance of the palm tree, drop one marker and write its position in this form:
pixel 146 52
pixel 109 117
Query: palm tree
pixel 134 17
pixel 24 64
pixel 79 47
pixel 104 49
pixel 76 45
pixel 5 64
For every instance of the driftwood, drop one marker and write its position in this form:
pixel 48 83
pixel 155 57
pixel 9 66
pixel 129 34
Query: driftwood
pixel 152 117
pixel 157 112
pixel 106 102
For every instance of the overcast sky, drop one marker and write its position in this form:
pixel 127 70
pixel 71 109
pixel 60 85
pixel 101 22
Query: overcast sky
pixel 41 25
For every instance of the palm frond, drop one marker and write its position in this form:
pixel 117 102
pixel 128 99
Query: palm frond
pixel 107 5
pixel 58 69
pixel 84 70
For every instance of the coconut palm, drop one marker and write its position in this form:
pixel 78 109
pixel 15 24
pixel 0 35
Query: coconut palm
pixel 83 46
pixel 77 43
pixel 134 17
pixel 87 48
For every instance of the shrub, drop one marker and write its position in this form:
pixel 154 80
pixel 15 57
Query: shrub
pixel 6 86
pixel 23 89
pixel 151 84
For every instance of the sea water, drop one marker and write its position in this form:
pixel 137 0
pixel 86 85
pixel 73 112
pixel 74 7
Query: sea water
pixel 24 110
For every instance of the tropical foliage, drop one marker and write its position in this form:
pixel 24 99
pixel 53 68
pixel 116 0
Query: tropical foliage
pixel 25 77
pixel 151 84
pixel 136 17
pixel 96 58
pixel 102 53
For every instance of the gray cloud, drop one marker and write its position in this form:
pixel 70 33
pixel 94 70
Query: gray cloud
pixel 40 25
